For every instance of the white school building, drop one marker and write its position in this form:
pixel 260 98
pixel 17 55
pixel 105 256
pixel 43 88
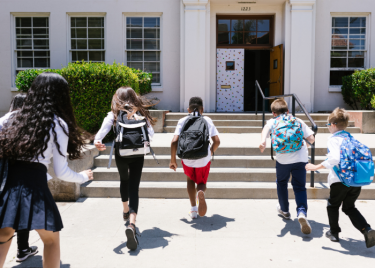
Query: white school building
pixel 215 49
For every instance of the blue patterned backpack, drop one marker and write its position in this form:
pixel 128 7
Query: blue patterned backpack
pixel 287 134
pixel 356 167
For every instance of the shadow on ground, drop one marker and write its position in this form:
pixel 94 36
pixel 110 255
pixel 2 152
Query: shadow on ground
pixel 36 262
pixel 294 228
pixel 353 247
pixel 148 239
pixel 209 224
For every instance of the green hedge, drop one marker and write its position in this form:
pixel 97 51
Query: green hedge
pixel 92 86
pixel 358 89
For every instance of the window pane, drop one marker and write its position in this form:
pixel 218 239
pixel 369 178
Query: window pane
pixel 152 22
pixel 223 38
pixel 41 44
pixel 356 44
pixel 338 54
pixel 24 44
pixel 336 77
pixel 23 33
pixel 41 62
pixel 362 36
pixel 250 25
pixel 263 38
pixel 135 56
pixel 237 25
pixel 136 65
pixel 73 44
pixel 81 44
pixel 78 33
pixel 134 22
pixel 96 32
pixel 152 67
pixel 339 30
pixel 237 38
pixel 151 44
pixel 96 44
pixel 357 22
pixel 24 54
pixel 152 55
pixel 24 62
pixel 134 43
pixel 95 22
pixel 41 53
pixel 134 33
pixel 356 62
pixel 339 44
pixel 338 62
pixel 250 38
pixel 79 55
pixel 340 22
pixel 357 31
pixel 223 25
pixel 40 32
pixel 80 22
pixel 151 33
pixel 263 25
pixel 339 36
pixel 356 54
pixel 96 55
pixel 155 78
pixel 40 22
pixel 23 22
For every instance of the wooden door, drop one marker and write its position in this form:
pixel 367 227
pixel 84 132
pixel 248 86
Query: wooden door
pixel 276 71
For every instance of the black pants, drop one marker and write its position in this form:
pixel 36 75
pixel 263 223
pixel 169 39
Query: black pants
pixel 130 170
pixel 23 239
pixel 341 194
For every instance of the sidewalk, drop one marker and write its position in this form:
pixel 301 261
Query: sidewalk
pixel 235 233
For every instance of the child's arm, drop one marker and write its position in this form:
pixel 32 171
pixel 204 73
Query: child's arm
pixel 265 133
pixel 311 167
pixel 216 144
pixel 173 163
pixel 333 157
pixel 310 139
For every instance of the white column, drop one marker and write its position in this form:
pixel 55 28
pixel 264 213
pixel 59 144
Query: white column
pixel 302 50
pixel 194 50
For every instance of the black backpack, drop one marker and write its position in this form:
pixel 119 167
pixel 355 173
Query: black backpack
pixel 194 138
pixel 131 139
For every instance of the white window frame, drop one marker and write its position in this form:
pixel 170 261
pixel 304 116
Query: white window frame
pixel 337 88
pixel 13 37
pixel 85 15
pixel 155 86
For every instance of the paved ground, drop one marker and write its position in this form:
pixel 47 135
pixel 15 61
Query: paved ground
pixel 235 233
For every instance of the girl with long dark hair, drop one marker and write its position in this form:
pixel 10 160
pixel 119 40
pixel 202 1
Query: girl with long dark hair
pixel 43 128
pixel 130 169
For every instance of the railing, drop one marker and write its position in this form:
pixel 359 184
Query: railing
pixel 295 99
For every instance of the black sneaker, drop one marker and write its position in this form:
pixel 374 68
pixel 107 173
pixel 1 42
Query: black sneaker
pixel 126 215
pixel 131 235
pixel 369 237
pixel 24 254
pixel 332 237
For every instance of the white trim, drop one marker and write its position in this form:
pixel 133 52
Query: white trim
pixel 86 14
pixel 14 89
pixel 156 88
pixel 334 89
pixel 30 14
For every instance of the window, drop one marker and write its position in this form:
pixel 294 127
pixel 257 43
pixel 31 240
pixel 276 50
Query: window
pixel 143 45
pixel 32 43
pixel 348 47
pixel 87 39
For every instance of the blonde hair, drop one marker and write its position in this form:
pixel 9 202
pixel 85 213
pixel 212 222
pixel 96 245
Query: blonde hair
pixel 279 106
pixel 339 117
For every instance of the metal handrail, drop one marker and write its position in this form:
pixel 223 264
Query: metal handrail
pixel 314 127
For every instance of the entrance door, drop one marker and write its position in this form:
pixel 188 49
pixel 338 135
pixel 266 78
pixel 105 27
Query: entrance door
pixel 276 71
pixel 229 80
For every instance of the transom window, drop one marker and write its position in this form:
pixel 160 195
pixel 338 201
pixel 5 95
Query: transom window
pixel 348 47
pixel 143 45
pixel 87 39
pixel 32 43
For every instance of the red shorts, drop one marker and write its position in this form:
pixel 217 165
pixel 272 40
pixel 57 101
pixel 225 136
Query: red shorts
pixel 198 175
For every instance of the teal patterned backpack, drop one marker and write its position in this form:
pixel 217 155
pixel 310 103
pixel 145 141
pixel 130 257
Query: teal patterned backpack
pixel 287 134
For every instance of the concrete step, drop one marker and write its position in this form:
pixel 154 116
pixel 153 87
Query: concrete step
pixel 217 190
pixel 216 174
pixel 249 123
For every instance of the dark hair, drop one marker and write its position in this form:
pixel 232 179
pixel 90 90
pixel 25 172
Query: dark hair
pixel 339 117
pixel 125 99
pixel 279 106
pixel 26 134
pixel 17 102
pixel 195 103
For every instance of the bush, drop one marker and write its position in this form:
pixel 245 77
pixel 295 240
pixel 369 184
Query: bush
pixel 92 86
pixel 360 88
pixel 144 80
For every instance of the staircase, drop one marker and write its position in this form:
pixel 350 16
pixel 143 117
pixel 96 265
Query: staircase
pixel 238 170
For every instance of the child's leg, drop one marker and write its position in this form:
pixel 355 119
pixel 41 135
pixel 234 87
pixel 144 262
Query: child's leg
pixel 282 178
pixel 336 196
pixel 191 191
pixel 201 187
pixel 51 254
pixel 6 235
pixel 23 239
pixel 348 207
pixel 299 187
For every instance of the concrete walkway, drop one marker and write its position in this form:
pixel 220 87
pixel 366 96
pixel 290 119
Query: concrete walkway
pixel 234 233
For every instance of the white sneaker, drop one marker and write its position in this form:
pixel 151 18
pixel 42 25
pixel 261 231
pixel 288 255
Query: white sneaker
pixel 193 214
pixel 305 225
pixel 285 215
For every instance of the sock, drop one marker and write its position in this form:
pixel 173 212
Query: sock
pixel 195 208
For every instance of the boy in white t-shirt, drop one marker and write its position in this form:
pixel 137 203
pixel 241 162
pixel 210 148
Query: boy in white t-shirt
pixel 287 164
pixel 196 170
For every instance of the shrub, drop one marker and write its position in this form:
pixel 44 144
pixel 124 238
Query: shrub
pixel 144 80
pixel 360 88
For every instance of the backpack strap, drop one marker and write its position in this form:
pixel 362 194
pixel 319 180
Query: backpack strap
pixel 111 154
pixel 145 140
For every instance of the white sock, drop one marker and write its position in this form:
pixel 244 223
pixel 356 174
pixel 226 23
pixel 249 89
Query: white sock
pixel 195 208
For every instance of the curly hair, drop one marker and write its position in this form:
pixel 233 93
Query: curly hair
pixel 27 132
pixel 125 99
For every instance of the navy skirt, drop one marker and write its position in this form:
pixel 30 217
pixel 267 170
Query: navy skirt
pixel 26 201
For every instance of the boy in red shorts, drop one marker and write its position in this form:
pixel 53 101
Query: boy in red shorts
pixel 196 170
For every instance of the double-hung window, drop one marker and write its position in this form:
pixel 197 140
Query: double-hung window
pixel 143 45
pixel 348 47
pixel 32 43
pixel 87 39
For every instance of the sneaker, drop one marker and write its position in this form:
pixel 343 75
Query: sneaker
pixel 305 225
pixel 285 215
pixel 131 235
pixel 201 202
pixel 193 214
pixel 369 237
pixel 332 237
pixel 126 216
pixel 26 253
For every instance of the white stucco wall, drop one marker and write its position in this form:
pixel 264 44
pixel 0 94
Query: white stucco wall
pixel 114 10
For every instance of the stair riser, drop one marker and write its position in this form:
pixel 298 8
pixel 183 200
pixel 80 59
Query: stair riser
pixel 242 116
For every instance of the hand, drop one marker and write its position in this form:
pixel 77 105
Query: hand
pixel 311 167
pixel 173 165
pixel 262 146
pixel 100 146
pixel 90 174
